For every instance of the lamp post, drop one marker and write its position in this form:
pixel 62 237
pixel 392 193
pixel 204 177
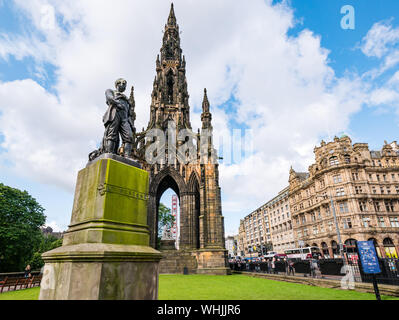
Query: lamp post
pixel 337 229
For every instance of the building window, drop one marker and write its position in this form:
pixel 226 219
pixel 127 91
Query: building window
pixel 394 222
pixel 340 192
pixel 343 207
pixel 378 177
pixel 315 231
pixel 373 189
pixel 330 225
pixel 377 207
pixel 366 221
pixel 389 206
pixel 355 176
pixel 347 223
pixel 334 161
pixel 327 210
pixel 337 178
pixel 381 222
pixel 382 189
pixel 358 189
pixel 347 158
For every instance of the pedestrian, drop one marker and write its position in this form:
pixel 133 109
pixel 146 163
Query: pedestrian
pixel 274 266
pixel 291 267
pixel 269 266
pixel 311 268
pixel 286 266
pixel 27 272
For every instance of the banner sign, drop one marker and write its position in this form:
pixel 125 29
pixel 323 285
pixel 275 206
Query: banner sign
pixel 368 257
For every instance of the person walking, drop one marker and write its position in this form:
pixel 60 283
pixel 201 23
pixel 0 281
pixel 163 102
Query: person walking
pixel 269 266
pixel 274 266
pixel 291 267
pixel 27 272
pixel 286 266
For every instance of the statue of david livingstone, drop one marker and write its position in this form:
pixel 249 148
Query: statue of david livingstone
pixel 118 121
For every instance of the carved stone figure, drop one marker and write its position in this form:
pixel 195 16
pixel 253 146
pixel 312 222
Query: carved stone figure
pixel 166 233
pixel 118 121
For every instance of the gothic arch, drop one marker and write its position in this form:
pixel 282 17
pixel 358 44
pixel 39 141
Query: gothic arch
pixel 163 180
pixel 194 209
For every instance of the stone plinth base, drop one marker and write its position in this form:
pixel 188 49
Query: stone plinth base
pixel 168 245
pixel 105 252
pixel 174 261
pixel 212 261
pixel 205 261
pixel 100 272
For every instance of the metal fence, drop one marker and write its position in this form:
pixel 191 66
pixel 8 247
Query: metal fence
pixel 328 267
pixel 389 272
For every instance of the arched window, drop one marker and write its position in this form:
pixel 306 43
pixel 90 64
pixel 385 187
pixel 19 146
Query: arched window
pixel 324 248
pixel 334 161
pixel 170 82
pixel 334 247
pixel 350 245
pixel 390 250
pixel 377 248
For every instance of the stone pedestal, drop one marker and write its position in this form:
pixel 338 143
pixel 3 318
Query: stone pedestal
pixel 212 261
pixel 168 245
pixel 105 252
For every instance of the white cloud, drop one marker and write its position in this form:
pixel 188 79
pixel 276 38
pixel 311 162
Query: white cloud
pixel 380 39
pixel 286 92
pixel 53 225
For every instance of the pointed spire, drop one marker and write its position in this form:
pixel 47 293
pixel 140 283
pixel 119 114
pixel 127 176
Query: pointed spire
pixel 205 102
pixel 172 17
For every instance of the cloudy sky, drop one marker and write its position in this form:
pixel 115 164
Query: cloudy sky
pixel 286 71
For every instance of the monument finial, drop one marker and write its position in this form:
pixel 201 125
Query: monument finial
pixel 172 17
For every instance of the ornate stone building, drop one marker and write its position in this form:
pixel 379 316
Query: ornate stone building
pixel 268 227
pixel 280 222
pixel 364 186
pixel 254 233
pixel 193 173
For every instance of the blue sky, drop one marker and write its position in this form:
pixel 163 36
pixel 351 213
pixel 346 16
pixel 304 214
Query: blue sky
pixel 57 58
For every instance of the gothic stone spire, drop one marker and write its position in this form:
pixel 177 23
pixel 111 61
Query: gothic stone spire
pixel 169 94
pixel 206 116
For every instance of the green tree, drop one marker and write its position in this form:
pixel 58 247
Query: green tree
pixel 20 220
pixel 165 218
pixel 47 243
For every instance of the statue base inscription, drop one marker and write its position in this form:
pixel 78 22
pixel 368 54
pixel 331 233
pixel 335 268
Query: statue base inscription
pixel 105 253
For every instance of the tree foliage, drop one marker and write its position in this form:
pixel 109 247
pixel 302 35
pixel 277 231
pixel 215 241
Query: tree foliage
pixel 47 243
pixel 20 220
pixel 165 218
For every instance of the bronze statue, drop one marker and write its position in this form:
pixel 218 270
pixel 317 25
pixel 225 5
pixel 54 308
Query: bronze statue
pixel 118 121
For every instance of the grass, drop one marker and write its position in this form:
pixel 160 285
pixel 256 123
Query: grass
pixel 233 287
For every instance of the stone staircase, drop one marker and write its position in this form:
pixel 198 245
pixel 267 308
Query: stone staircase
pixel 174 261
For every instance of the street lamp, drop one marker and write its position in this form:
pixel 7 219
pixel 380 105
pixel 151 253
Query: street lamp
pixel 337 228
